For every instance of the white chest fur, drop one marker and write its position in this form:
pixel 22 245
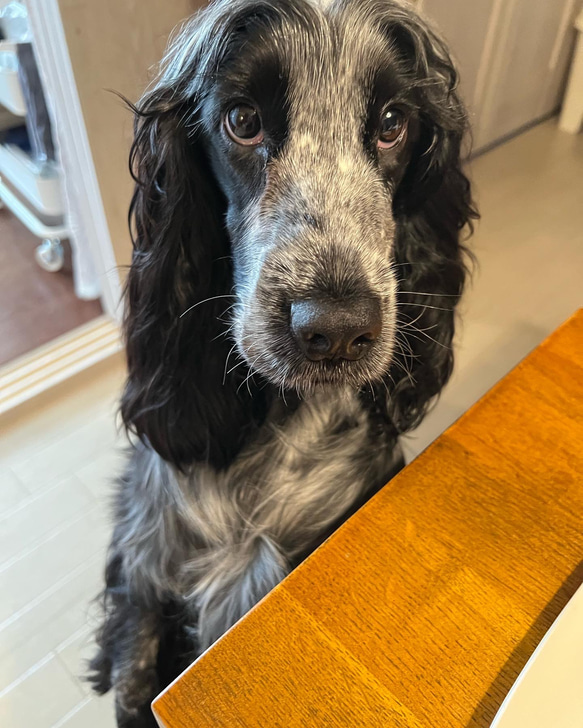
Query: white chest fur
pixel 228 537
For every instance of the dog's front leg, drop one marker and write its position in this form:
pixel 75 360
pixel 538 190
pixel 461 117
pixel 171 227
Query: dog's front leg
pixel 128 642
pixel 134 673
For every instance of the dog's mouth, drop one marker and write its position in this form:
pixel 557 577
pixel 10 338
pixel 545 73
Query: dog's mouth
pixel 307 377
pixel 316 364
pixel 332 374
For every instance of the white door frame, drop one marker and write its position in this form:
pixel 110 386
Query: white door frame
pixel 53 56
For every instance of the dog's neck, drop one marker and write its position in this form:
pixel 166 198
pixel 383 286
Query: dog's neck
pixel 232 534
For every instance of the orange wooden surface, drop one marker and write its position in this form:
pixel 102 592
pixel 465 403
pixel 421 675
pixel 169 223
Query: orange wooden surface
pixel 424 607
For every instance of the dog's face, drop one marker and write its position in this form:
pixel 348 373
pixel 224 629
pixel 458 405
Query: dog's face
pixel 309 129
pixel 305 158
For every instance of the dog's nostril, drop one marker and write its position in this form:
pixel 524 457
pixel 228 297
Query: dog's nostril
pixel 360 346
pixel 326 329
pixel 364 339
pixel 318 341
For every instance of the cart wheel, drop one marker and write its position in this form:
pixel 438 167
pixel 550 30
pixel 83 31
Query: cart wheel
pixel 50 255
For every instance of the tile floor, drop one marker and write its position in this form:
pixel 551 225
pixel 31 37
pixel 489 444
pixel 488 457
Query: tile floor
pixel 57 455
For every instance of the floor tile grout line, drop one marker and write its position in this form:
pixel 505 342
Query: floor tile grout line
pixel 70 422
pixel 52 534
pixel 62 721
pixel 87 631
pixel 37 495
pixel 77 679
pixel 84 630
pixel 27 673
pixel 93 559
pixel 97 444
pixel 9 469
pixel 105 414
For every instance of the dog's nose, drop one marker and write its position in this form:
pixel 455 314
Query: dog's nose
pixel 327 329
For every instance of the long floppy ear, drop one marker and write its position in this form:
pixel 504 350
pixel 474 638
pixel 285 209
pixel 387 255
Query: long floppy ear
pixel 179 396
pixel 433 206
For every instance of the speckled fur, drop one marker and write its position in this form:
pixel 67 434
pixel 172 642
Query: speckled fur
pixel 215 542
pixel 241 469
pixel 323 176
pixel 221 540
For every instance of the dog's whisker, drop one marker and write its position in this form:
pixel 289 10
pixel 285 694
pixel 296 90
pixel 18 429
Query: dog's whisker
pixel 424 293
pixel 229 308
pixel 424 306
pixel 238 364
pixel 249 374
pixel 405 324
pixel 405 349
pixel 409 323
pixel 249 377
pixel 227 363
pixel 407 264
pixel 402 364
pixel 206 300
pixel 439 343
pixel 401 344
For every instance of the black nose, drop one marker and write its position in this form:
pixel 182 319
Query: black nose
pixel 326 329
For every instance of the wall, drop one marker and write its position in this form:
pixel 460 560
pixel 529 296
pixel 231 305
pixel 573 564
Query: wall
pixel 112 45
pixel 513 57
pixel 515 76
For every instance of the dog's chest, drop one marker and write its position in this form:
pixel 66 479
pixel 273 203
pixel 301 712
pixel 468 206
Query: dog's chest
pixel 220 540
pixel 248 525
pixel 294 481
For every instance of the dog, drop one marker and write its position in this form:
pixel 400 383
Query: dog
pixel 298 222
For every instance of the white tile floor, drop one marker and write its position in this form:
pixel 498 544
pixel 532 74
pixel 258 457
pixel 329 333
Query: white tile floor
pixel 58 455
pixel 56 461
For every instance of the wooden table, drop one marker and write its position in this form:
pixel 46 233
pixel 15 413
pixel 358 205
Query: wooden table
pixel 424 607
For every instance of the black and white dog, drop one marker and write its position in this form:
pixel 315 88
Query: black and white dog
pixel 297 217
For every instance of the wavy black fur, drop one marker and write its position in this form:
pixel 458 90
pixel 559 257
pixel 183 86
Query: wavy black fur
pixel 224 239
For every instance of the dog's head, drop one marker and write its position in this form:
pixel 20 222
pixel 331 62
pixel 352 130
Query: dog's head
pixel 300 162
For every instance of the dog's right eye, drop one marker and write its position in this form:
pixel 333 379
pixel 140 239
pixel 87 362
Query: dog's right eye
pixel 243 125
pixel 392 129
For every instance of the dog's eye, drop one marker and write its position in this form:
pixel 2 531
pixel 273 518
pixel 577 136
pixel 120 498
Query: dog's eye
pixel 392 128
pixel 243 125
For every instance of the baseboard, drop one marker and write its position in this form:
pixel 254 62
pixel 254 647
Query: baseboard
pixel 53 363
pixel 516 132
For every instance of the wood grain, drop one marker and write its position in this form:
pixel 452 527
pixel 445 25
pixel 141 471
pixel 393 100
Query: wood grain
pixel 424 607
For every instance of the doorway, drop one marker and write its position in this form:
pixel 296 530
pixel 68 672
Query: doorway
pixel 57 269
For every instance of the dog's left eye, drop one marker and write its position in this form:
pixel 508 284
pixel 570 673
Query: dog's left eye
pixel 243 125
pixel 392 128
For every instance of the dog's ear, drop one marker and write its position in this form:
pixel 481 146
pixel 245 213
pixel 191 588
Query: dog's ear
pixel 433 207
pixel 178 395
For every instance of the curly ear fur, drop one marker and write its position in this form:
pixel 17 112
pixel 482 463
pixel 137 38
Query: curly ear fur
pixel 178 395
pixel 432 207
